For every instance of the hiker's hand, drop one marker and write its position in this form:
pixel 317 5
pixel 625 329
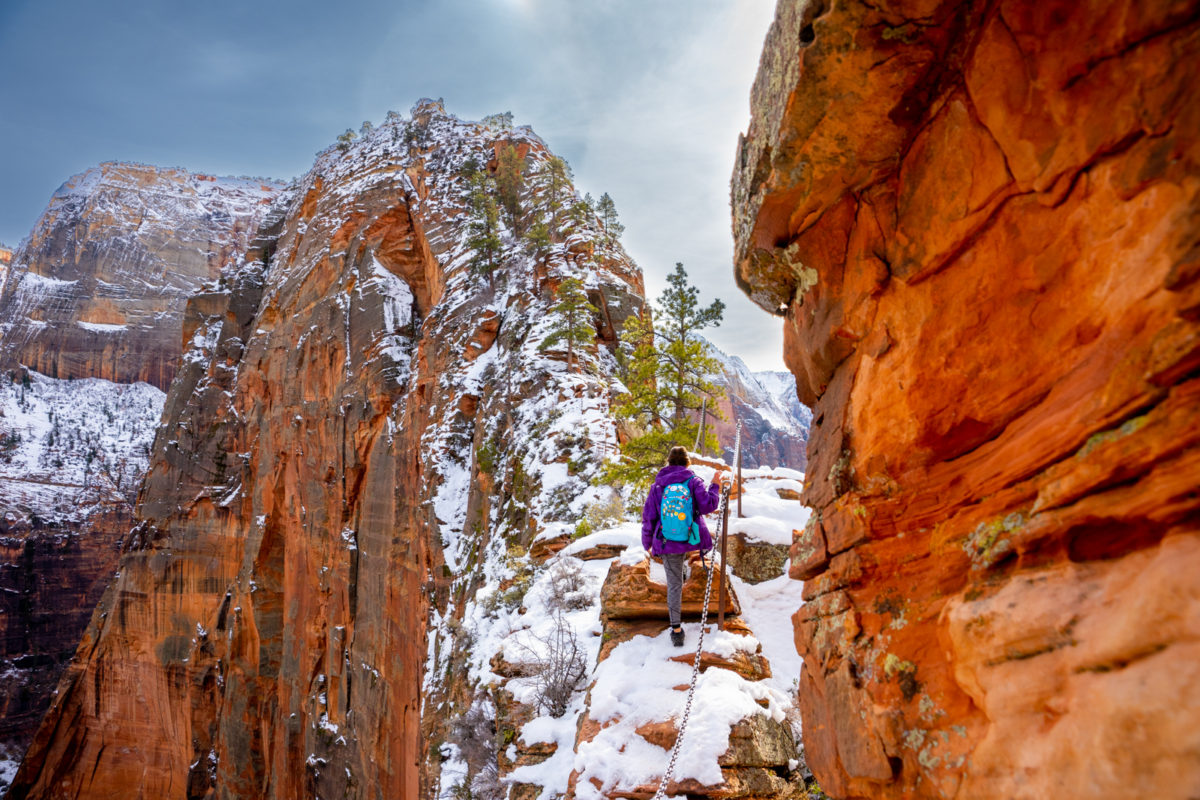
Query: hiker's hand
pixel 719 480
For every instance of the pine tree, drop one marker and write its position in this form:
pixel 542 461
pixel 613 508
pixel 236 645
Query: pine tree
pixel 484 229
pixel 607 210
pixel 637 367
pixel 555 178
pixel 684 363
pixel 574 324
pixel 664 367
pixel 538 240
pixel 510 185
pixel 581 212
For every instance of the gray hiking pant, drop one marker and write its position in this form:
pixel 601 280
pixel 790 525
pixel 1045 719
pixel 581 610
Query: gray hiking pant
pixel 673 563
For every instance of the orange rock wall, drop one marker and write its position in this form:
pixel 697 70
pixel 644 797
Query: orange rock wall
pixel 980 225
pixel 274 584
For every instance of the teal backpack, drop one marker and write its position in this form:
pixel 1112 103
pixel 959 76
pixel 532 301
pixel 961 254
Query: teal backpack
pixel 675 513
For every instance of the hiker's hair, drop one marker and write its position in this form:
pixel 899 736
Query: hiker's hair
pixel 678 457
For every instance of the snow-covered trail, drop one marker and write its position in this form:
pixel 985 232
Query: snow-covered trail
pixel 631 690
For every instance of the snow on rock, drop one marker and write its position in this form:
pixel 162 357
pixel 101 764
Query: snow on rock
pixel 99 286
pixel 366 432
pixel 68 445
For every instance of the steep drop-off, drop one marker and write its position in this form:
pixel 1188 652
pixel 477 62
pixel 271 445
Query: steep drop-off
pixel 356 420
pixel 72 455
pixel 980 222
pixel 95 294
pixel 98 288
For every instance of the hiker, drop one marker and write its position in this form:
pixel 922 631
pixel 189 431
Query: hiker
pixel 673 524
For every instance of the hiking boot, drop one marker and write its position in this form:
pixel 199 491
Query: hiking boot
pixel 677 637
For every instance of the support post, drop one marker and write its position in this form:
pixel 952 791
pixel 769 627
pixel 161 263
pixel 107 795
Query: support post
pixel 740 488
pixel 721 590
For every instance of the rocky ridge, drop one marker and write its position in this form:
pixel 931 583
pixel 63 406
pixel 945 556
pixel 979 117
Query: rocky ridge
pixel 774 423
pixel 978 222
pixel 360 428
pixel 603 601
pixel 98 288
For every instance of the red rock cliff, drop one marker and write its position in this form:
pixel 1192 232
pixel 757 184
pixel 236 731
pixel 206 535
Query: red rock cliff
pixel 980 223
pixel 341 443
pixel 98 289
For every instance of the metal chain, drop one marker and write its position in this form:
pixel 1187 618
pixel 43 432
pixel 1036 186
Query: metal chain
pixel 687 708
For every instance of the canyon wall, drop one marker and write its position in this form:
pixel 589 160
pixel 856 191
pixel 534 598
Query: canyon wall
pixel 51 577
pixel 98 288
pixel 980 223
pixel 357 419
pixel 95 296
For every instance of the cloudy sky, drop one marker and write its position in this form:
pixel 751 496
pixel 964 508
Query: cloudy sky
pixel 644 98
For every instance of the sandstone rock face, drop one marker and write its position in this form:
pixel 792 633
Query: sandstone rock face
pixel 359 419
pixel 979 222
pixel 99 287
pixel 631 593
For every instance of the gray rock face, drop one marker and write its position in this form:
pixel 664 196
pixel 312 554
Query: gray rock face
pixel 99 287
pixel 774 423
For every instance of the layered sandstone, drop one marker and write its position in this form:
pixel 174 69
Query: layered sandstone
pixel 358 426
pixel 95 296
pixel 98 288
pixel 979 222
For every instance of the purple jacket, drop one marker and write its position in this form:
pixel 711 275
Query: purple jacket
pixel 704 501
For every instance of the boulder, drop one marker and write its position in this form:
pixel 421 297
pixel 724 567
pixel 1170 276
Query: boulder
pixel 629 593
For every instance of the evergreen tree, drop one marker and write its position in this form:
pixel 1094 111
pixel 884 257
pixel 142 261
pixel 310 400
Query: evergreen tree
pixel 555 178
pixel 538 240
pixel 574 325
pixel 664 367
pixel 607 210
pixel 581 211
pixel 510 185
pixel 637 367
pixel 684 363
pixel 484 230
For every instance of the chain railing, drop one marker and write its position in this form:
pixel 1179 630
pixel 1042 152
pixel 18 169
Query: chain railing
pixel 687 708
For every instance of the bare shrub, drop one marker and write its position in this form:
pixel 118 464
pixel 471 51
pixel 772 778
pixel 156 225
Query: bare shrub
pixel 558 667
pixel 605 513
pixel 474 733
pixel 486 784
pixel 570 588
